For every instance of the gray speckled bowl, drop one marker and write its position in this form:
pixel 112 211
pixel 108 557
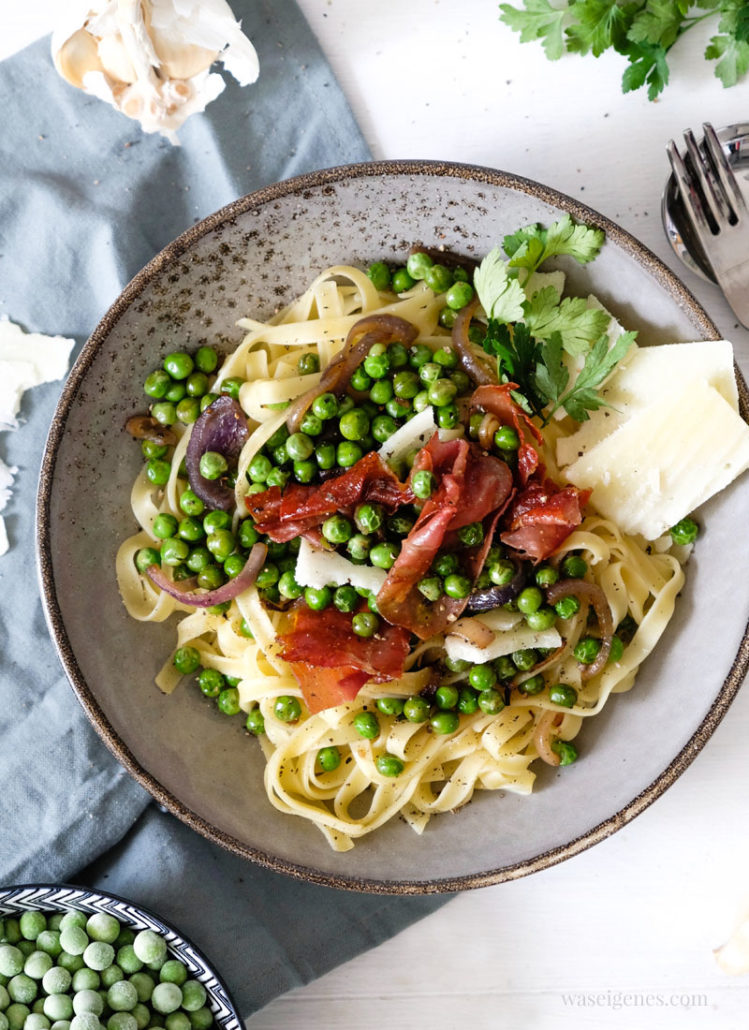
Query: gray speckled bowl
pixel 246 259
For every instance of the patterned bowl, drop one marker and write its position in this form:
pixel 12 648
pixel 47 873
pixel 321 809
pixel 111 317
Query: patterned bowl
pixel 44 897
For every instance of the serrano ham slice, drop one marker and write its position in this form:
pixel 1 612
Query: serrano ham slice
pixel 542 517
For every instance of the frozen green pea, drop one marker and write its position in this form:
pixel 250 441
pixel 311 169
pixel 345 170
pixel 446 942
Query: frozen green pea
pixel 122 996
pixel 36 1021
pixel 74 940
pixel 73 918
pixel 16 1015
pixel 11 960
pixel 32 923
pixel 12 930
pixel 144 984
pixel 38 1005
pixel 85 1021
pixel 177 1021
pixel 4 997
pixel 201 1019
pixel 57 981
pixel 37 964
pixel 173 971
pixel 142 1016
pixel 193 995
pixel 88 1001
pixel 59 1024
pixel 86 980
pixel 98 955
pixel 3 1021
pixel 103 927
pixel 70 962
pixel 49 941
pixel 58 1006
pixel 26 947
pixel 150 947
pixel 125 936
pixel 111 975
pixel 122 1021
pixel 127 960
pixel 22 988
pixel 166 998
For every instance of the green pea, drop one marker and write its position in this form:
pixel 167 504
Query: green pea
pixel 685 532
pixel 384 555
pixel 221 543
pixel 445 564
pixel 525 659
pixel 277 477
pixel 311 425
pixel 190 503
pixel 430 587
pixel 178 364
pixel 259 468
pixel 206 359
pixel 158 471
pixel 198 559
pixel 211 682
pixel 376 366
pixel 416 709
pixel 441 392
pixel 490 702
pixel 429 372
pixel 348 453
pixel 563 694
pixel 360 380
pixel 187 410
pixel 308 364
pixel 228 701
pixel 193 996
pixel 586 650
pixel 149 449
pixel 406 385
pixel 325 455
pixel 232 386
pixel 443 723
pixel 337 529
pixel 381 392
pixel 164 526
pixel 145 558
pixel 288 586
pixel 174 551
pixel 482 677
pixel 354 425
pixel 418 264
pixel 447 317
pixel 418 355
pixel 365 624
pixel 459 295
pixel 383 427
pixel 345 598
pixel 574 567
pixel 157 383
pixel 207 400
pixel 369 517
pixel 325 406
pixel 255 723
pixel 457 664
pixel 533 685
pixel 471 535
pixel 211 577
pixel 566 750
pixel 529 600
pixel 402 281
pixel 212 465
pixel 438 278
pixel 359 547
pixel 617 650
pixel 390 705
pixel 467 701
pixel 457 586
pixel 379 275
pixel 448 416
pixel 246 630
pixel 329 758
pixel 366 725
pixel 423 484
pixel 389 765
pixel 462 381
pixel 446 696
pixel 542 619
pixel 287 708
pixel 268 576
pixel 566 607
pixel 186 660
pixel 546 576
pixel 299 447
pixel 398 407
pixel 317 598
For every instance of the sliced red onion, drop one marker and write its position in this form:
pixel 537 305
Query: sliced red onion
pixel 233 588
pixel 145 427
pixel 544 736
pixel 222 427
pixel 495 597
pixel 470 364
pixel 588 592
pixel 361 336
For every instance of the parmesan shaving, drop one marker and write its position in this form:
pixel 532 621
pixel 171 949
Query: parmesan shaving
pixel 316 568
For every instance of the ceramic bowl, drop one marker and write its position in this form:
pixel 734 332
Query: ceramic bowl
pixel 42 897
pixel 247 259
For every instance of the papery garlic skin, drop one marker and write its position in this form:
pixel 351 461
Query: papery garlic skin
pixel 150 59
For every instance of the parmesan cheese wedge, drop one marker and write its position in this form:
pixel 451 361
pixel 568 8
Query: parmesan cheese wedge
pixel 510 634
pixel 412 435
pixel 666 460
pixel 26 360
pixel 317 568
pixel 643 377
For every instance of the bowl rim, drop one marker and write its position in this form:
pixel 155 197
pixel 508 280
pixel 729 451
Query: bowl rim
pixel 233 1021
pixel 490 177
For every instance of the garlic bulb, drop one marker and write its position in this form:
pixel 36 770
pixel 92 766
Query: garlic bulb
pixel 151 59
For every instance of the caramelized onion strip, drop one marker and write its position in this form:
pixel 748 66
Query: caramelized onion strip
pixel 585 592
pixel 469 362
pixel 544 736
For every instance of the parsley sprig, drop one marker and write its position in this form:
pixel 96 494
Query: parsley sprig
pixel 536 335
pixel 643 31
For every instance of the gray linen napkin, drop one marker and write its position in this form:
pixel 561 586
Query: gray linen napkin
pixel 86 199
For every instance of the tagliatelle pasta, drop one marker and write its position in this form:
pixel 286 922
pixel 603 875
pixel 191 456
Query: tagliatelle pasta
pixel 407 769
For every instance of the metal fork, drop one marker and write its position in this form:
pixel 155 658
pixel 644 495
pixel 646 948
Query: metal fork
pixel 715 206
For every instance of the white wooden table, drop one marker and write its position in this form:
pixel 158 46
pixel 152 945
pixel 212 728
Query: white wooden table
pixel 622 935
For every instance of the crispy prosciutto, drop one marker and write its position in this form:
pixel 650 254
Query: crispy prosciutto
pixel 473 487
pixel 324 640
pixel 302 509
pixel 496 400
pixel 542 517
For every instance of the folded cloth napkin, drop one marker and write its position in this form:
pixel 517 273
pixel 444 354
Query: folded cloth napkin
pixel 86 199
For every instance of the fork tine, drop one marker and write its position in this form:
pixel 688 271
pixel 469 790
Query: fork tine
pixel 723 169
pixel 715 201
pixel 691 200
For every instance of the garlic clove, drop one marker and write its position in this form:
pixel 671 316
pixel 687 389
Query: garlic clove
pixel 733 956
pixel 78 55
pixel 115 59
